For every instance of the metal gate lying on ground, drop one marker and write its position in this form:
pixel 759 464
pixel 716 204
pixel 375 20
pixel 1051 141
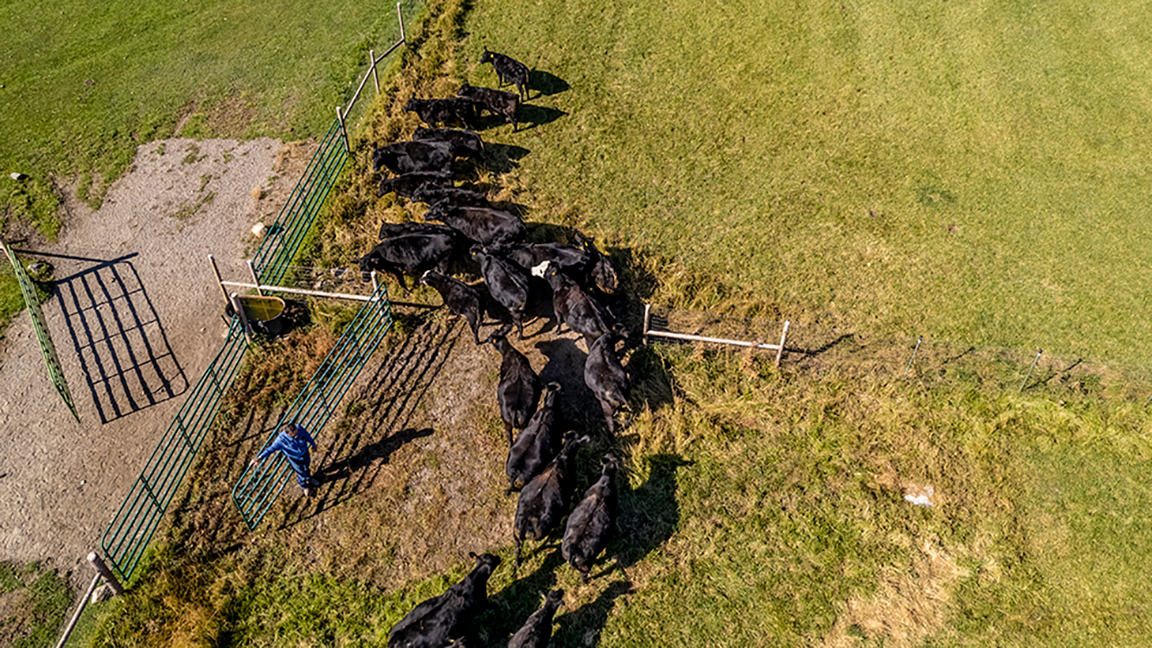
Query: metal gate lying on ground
pixel 260 485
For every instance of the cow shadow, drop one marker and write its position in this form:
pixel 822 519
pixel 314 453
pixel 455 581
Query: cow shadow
pixel 565 365
pixel 546 84
pixel 581 627
pixel 502 158
pixel 649 514
pixel 508 609
pixel 534 116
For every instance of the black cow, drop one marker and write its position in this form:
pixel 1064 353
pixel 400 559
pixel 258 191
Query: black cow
pixel 407 184
pixel 545 498
pixel 464 143
pixel 444 198
pixel 529 256
pixel 506 283
pixel 590 523
pixel 602 273
pixel 460 298
pixel 392 230
pixel 508 70
pixel 483 225
pixel 412 157
pixel 536 445
pixel 412 253
pixel 537 630
pixel 499 103
pixel 519 388
pixel 605 376
pixel 573 306
pixel 442 619
pixel 453 110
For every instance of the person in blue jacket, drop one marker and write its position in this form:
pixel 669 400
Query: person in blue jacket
pixel 294 441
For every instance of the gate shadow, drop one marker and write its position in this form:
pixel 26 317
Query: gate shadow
pixel 394 392
pixel 124 353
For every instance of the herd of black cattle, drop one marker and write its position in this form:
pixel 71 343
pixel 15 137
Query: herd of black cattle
pixel 540 460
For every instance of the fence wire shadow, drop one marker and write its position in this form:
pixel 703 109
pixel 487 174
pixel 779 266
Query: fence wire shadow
pixel 377 421
pixel 124 353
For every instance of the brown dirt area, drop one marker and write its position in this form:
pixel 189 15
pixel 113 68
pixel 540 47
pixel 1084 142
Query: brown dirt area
pixel 135 321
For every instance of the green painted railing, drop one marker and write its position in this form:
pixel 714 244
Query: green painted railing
pixel 260 485
pixel 131 529
pixel 284 237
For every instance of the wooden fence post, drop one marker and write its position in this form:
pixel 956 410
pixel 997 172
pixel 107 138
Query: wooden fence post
pixel 372 62
pixel 239 308
pixel 255 278
pixel 647 316
pixel 343 130
pixel 219 281
pixel 400 15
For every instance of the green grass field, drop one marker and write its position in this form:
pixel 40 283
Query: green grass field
pixel 83 85
pixel 964 171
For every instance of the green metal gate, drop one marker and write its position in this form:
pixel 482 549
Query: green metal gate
pixel 260 485
pixel 134 524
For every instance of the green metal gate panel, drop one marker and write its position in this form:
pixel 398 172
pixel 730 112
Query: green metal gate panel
pixel 40 325
pixel 134 524
pixel 132 527
pixel 260 485
pixel 285 235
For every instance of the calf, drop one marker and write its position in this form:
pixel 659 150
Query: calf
pixel 532 255
pixel 412 157
pixel 464 143
pixel 537 630
pixel 545 498
pixel 519 388
pixel 536 444
pixel 393 230
pixel 605 376
pixel 499 103
pixel 411 253
pixel 453 110
pixel 573 306
pixel 460 298
pixel 480 224
pixel 602 273
pixel 507 285
pixel 443 619
pixel 590 523
pixel 508 70
pixel 407 184
pixel 444 198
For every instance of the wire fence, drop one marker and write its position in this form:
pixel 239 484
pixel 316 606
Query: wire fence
pixel 916 358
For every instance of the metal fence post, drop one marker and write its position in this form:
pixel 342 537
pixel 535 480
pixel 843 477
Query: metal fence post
pixel 913 358
pixel 783 339
pixel 105 573
pixel 1034 361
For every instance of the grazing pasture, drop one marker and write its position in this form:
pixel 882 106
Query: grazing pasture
pixel 84 84
pixel 963 170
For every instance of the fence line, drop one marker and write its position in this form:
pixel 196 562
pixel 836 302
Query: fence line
pixel 914 358
pixel 136 521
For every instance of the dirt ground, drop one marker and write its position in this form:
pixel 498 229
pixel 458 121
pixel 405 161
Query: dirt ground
pixel 135 321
